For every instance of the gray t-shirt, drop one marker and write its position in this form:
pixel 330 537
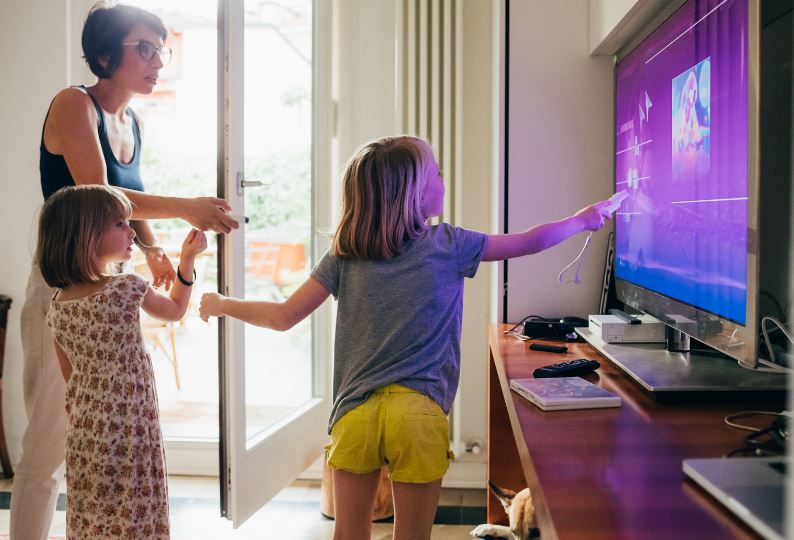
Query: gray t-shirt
pixel 399 321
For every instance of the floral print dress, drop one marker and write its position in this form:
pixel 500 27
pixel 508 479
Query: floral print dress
pixel 115 466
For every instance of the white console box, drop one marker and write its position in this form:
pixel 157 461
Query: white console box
pixel 612 329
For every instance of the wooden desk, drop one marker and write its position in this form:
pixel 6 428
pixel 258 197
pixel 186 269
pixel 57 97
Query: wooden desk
pixel 606 473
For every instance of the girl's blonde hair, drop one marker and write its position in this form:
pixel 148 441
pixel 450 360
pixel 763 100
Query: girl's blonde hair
pixel 382 186
pixel 71 224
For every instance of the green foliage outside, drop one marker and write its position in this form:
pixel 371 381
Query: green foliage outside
pixel 282 206
pixel 279 211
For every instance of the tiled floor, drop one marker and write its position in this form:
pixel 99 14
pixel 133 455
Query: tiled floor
pixel 294 514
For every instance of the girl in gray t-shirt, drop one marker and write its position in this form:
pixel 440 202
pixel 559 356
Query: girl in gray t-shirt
pixel 399 284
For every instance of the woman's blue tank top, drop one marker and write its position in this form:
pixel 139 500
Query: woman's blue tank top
pixel 55 173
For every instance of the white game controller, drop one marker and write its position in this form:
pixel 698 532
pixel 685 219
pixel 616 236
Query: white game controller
pixel 616 200
pixel 613 203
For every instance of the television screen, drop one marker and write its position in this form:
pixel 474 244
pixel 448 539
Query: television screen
pixel 681 152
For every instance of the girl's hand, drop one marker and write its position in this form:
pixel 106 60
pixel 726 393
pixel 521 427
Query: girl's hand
pixel 163 273
pixel 208 213
pixel 592 217
pixel 211 306
pixel 195 243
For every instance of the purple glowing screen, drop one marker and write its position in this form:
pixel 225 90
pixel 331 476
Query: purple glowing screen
pixel 681 153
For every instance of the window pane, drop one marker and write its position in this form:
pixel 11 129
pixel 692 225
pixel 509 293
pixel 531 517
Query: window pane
pixel 179 159
pixel 278 151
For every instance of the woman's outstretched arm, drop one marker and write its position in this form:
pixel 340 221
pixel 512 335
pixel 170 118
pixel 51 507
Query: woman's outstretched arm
pixel 71 131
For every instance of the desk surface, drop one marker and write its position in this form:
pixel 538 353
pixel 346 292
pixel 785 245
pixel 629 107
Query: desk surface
pixel 607 473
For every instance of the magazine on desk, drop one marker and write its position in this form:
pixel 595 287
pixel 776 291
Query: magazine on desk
pixel 563 393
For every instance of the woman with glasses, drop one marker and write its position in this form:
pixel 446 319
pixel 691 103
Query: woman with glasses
pixel 91 136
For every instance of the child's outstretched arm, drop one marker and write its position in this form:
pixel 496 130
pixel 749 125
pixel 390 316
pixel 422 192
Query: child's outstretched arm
pixel 173 307
pixel 274 315
pixel 546 235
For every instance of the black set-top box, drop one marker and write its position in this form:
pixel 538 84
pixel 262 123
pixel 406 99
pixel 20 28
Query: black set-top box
pixel 562 329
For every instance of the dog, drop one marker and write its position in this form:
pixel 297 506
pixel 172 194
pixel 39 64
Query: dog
pixel 520 513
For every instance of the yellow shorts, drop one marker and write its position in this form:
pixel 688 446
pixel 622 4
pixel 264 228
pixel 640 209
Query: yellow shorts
pixel 397 427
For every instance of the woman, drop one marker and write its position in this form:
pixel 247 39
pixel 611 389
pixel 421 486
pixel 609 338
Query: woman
pixel 91 137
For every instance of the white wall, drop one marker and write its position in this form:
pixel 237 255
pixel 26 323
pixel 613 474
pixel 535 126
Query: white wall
pixel 559 151
pixel 613 22
pixel 366 85
pixel 41 36
pixel 604 18
pixel 33 72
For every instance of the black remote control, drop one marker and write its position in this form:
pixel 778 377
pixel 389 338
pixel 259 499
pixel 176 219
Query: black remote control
pixel 571 368
pixel 548 348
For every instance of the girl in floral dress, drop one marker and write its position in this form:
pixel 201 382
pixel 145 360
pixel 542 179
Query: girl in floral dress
pixel 115 467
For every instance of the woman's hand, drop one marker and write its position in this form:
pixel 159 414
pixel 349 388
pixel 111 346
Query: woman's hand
pixel 211 306
pixel 163 273
pixel 592 217
pixel 195 242
pixel 209 213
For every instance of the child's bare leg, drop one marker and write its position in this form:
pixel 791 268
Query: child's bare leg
pixel 414 509
pixel 354 499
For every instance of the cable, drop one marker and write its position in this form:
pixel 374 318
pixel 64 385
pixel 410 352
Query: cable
pixel 777 434
pixel 771 367
pixel 751 451
pixel 744 414
pixel 522 320
pixel 580 259
pixel 782 328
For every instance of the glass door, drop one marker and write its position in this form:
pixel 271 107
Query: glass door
pixel 274 391
pixel 179 159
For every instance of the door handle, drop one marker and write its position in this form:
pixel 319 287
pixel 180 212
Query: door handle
pixel 242 183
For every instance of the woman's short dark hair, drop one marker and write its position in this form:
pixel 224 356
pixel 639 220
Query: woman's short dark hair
pixel 105 29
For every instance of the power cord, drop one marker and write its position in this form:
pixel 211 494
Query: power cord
pixel 580 259
pixel 782 328
pixel 518 336
pixel 729 419
pixel 773 366
pixel 769 441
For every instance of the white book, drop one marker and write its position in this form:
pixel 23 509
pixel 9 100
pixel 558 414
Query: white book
pixel 561 393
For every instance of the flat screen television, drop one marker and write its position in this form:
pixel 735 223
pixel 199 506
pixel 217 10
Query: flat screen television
pixel 686 150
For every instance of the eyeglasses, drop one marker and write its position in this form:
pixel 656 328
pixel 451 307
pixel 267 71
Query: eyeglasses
pixel 147 50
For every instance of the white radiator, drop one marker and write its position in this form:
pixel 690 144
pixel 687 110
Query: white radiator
pixel 429 82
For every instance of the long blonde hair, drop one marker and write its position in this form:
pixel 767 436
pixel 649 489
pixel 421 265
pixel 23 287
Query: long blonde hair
pixel 382 186
pixel 71 225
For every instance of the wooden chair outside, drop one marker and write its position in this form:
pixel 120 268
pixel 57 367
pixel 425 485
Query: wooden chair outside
pixel 268 260
pixel 5 461
pixel 154 330
pixel 162 335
